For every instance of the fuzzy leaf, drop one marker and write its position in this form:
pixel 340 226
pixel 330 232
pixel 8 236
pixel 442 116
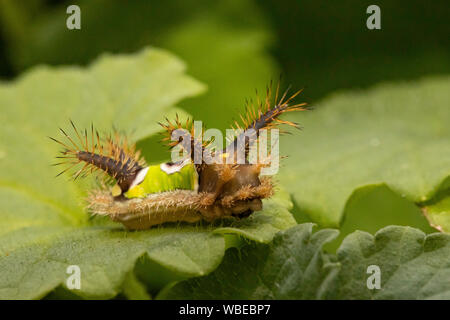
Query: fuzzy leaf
pixel 412 266
pixel 439 214
pixel 129 92
pixel 44 227
pixel 393 134
pixel 34 265
pixel 437 210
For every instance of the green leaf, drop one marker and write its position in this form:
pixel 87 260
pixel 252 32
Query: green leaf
pixel 129 92
pixel 44 227
pixel 34 260
pixel 373 207
pixel 412 266
pixel 133 289
pixel 290 267
pixel 393 134
pixel 438 215
pixel 259 227
pixel 437 210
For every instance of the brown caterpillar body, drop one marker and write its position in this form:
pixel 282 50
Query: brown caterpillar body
pixel 177 206
pixel 224 190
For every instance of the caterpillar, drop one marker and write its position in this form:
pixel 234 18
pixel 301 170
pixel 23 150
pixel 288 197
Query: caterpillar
pixel 186 190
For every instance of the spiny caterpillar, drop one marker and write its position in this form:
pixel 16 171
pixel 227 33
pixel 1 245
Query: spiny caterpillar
pixel 185 190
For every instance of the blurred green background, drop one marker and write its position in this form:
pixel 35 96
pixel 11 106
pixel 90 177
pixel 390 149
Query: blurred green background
pixel 231 45
pixel 235 47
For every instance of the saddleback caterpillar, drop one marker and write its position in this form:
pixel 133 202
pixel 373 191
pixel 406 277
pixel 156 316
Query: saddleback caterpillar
pixel 185 190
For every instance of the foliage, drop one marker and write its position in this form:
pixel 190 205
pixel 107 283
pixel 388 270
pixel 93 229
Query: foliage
pixel 411 264
pixel 44 227
pixel 366 159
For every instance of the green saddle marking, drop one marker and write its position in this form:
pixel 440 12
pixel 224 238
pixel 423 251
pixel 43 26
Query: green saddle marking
pixel 157 180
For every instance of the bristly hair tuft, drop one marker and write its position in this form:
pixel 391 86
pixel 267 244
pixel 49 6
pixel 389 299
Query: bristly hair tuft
pixel 264 114
pixel 185 135
pixel 113 155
